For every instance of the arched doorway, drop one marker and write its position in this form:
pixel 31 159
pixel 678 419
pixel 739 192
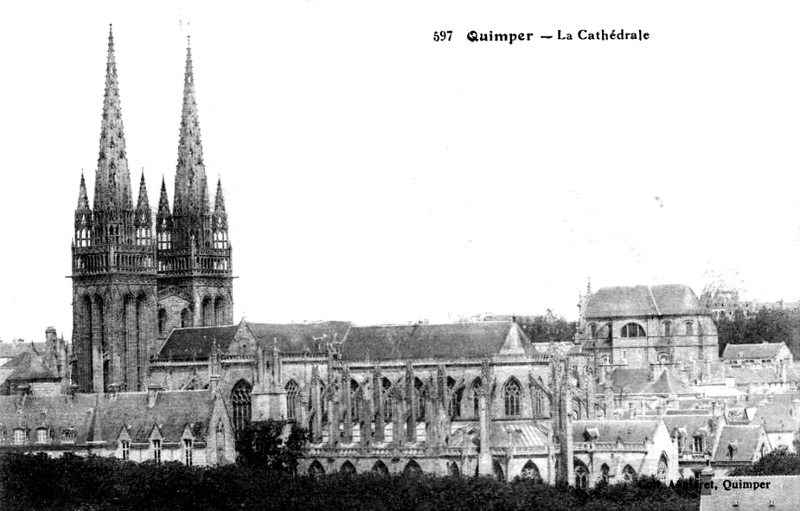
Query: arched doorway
pixel 452 469
pixel 581 476
pixel 412 469
pixel 316 469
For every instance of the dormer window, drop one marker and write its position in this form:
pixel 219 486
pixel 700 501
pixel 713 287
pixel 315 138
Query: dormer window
pixel 41 436
pixel 157 450
pixel 125 445
pixel 68 436
pixel 19 436
pixel 187 451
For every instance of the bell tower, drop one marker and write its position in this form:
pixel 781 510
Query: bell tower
pixel 113 264
pixel 195 283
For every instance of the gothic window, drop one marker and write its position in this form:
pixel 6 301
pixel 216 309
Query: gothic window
pixel 476 384
pixel 511 395
pixel 581 476
pixel 689 328
pixel 455 403
pixel 187 451
pixel 292 390
pixel 633 330
pixel 240 399
pixel 604 473
pixel 185 319
pixel 208 313
pixel 162 321
pixel 667 328
pixel 219 310
pixel 628 474
pixel 125 445
pixel 699 444
pixel 663 465
pixel 156 450
pixel 531 471
pixel 387 399
pixel 421 393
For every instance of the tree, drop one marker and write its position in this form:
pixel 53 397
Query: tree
pixel 779 462
pixel 547 328
pixel 273 445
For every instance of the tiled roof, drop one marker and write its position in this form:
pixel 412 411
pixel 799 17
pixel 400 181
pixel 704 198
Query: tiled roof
pixel 629 431
pixel 776 417
pixel 743 442
pixel 196 343
pixel 173 411
pixel 637 381
pixel 661 300
pixel 101 417
pixel 520 434
pixel 12 349
pixel 300 337
pixel 458 340
pixel 752 351
pixel 28 366
pixel 57 413
pixel 783 495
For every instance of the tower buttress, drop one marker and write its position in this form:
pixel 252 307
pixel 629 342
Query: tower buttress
pixel 113 264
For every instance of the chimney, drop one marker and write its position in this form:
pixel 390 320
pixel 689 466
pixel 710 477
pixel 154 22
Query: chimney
pixel 152 394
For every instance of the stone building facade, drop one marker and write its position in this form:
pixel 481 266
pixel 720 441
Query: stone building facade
pixel 640 326
pixel 133 284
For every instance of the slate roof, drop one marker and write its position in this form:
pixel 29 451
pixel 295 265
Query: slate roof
pixel 638 301
pixel 173 411
pixel 101 417
pixel 57 413
pixel 12 349
pixel 458 340
pixel 782 495
pixel 776 417
pixel 744 439
pixel 520 434
pixel 300 337
pixel 629 431
pixel 691 424
pixel 637 381
pixel 196 342
pixel 752 351
pixel 756 375
pixel 28 366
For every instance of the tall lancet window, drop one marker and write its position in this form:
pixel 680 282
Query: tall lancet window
pixel 240 399
pixel 511 395
pixel 292 392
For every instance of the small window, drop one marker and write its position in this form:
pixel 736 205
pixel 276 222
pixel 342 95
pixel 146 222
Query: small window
pixel 68 436
pixel 593 330
pixel 19 436
pixel 689 328
pixel 126 449
pixel 157 451
pixel 41 436
pixel 187 451
pixel 667 328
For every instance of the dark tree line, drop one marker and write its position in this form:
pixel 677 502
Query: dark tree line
pixel 547 328
pixel 779 462
pixel 766 325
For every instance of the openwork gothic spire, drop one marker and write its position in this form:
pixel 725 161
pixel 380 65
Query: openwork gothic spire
pixel 191 190
pixel 112 182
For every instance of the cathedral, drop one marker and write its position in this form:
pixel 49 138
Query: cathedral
pixel 160 370
pixel 133 283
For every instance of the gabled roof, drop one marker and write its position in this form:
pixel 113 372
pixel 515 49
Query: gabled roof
pixel 57 413
pixel 743 442
pixel 172 412
pixel 638 301
pixel 300 337
pixel 196 342
pixel 776 417
pixel 458 340
pixel 28 366
pixel 628 431
pixel 753 351
pixel 637 381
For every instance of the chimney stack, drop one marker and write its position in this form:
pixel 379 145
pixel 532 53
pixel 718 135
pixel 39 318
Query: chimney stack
pixel 152 394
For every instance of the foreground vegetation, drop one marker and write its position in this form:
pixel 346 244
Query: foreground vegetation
pixel 36 482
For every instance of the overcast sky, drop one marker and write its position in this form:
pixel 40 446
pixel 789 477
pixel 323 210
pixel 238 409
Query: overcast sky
pixel 374 175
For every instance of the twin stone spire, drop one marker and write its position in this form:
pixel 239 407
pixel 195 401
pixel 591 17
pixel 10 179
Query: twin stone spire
pixel 192 212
